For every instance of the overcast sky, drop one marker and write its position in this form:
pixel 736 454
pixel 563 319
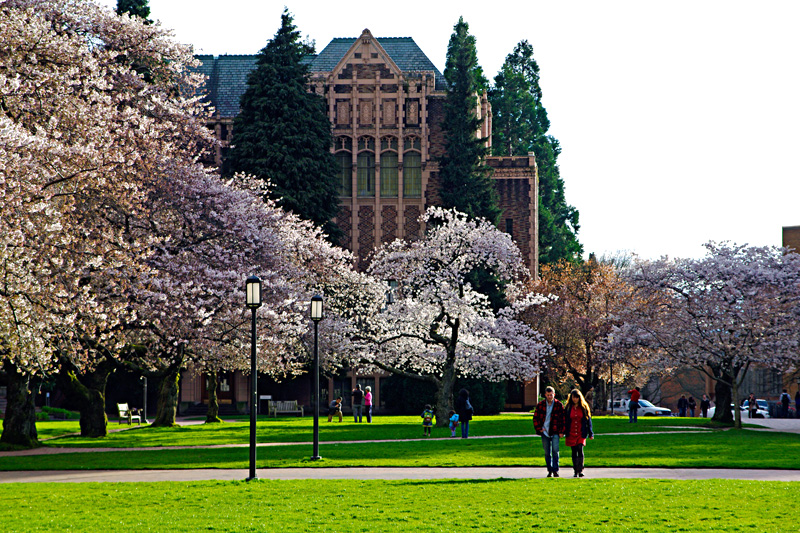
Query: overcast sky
pixel 679 121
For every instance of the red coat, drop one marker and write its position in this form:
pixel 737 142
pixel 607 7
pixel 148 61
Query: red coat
pixel 635 395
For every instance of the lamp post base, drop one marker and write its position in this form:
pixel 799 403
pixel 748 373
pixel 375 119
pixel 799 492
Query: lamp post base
pixel 254 478
pixel 316 458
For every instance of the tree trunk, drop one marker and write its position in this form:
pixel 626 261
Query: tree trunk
pixel 444 397
pixel 167 406
pixel 722 401
pixel 737 413
pixel 88 394
pixel 19 424
pixel 213 404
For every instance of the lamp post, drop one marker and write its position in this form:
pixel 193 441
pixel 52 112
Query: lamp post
pixel 316 316
pixel 144 378
pixel 253 298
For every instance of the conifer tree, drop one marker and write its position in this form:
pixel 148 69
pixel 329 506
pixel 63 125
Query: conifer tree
pixel 282 134
pixel 138 8
pixel 465 180
pixel 519 126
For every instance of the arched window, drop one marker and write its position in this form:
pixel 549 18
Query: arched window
pixel 389 167
pixel 366 166
pixel 412 168
pixel 343 152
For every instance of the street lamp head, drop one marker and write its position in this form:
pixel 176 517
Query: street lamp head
pixel 253 292
pixel 316 308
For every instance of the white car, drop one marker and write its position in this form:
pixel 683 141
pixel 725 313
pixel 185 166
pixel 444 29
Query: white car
pixel 646 408
pixel 761 412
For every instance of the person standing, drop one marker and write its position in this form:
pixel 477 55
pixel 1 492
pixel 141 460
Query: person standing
pixel 358 397
pixel 465 411
pixel 785 401
pixel 548 422
pixel 705 404
pixel 683 404
pixel 368 403
pixel 427 421
pixel 752 406
pixel 578 428
pixel 692 404
pixel 633 405
pixel 797 403
pixel 453 423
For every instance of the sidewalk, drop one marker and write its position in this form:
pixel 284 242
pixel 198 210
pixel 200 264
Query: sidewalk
pixel 126 476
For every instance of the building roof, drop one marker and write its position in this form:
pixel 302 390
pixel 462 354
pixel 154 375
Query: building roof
pixel 227 74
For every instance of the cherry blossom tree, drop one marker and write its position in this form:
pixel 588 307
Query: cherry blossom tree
pixel 80 136
pixel 722 314
pixel 437 327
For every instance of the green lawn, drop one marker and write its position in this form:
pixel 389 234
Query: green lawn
pixel 295 429
pixel 378 506
pixel 695 449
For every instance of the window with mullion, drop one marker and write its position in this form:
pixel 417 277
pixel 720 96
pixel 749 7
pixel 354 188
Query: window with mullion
pixel 389 175
pixel 366 174
pixel 412 175
pixel 344 169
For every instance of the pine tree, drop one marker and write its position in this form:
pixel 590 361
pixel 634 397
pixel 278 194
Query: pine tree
pixel 519 126
pixel 138 8
pixel 282 134
pixel 465 180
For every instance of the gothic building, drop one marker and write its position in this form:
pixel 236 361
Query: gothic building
pixel 385 101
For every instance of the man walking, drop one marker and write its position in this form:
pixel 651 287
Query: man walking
pixel 358 396
pixel 548 422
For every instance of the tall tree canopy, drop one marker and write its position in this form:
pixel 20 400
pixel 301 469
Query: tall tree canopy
pixel 465 181
pixel 282 134
pixel 519 126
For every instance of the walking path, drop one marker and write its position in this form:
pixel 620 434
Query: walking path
pixel 388 473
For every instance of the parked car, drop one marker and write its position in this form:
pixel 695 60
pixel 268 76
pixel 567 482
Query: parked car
pixel 761 412
pixel 646 408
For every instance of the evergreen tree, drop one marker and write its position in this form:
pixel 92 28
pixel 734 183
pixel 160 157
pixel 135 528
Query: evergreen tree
pixel 465 180
pixel 282 134
pixel 138 8
pixel 519 126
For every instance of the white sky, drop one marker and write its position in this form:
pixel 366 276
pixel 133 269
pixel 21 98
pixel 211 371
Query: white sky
pixel 679 121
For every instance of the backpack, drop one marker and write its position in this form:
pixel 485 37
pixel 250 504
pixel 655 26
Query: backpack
pixel 427 416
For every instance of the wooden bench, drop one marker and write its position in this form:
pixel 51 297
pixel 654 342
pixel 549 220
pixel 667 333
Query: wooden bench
pixel 128 414
pixel 284 407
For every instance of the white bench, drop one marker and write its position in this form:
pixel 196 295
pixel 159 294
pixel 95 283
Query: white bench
pixel 284 407
pixel 128 414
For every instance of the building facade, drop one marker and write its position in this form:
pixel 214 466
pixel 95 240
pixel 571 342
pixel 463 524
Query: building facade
pixel 385 102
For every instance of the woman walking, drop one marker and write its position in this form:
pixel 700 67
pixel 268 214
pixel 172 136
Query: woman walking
pixel 578 424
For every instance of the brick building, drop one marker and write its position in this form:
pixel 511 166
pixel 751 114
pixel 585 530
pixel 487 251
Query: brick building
pixel 385 101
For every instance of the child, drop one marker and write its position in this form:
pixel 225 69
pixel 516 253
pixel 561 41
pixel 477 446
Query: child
pixel 453 423
pixel 427 421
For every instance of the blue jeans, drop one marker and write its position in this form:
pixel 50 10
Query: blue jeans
pixel 369 414
pixel 465 429
pixel 550 445
pixel 357 409
pixel 633 414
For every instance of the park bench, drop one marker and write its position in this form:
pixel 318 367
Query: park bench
pixel 128 414
pixel 284 407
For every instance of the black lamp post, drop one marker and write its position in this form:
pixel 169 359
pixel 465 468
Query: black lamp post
pixel 253 296
pixel 144 379
pixel 316 316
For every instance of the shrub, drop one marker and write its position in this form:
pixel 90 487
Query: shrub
pixel 55 412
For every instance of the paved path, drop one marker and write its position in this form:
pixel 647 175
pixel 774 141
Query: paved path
pixel 63 476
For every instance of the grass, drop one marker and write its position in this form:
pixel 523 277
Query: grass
pixel 670 449
pixel 295 429
pixel 378 506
